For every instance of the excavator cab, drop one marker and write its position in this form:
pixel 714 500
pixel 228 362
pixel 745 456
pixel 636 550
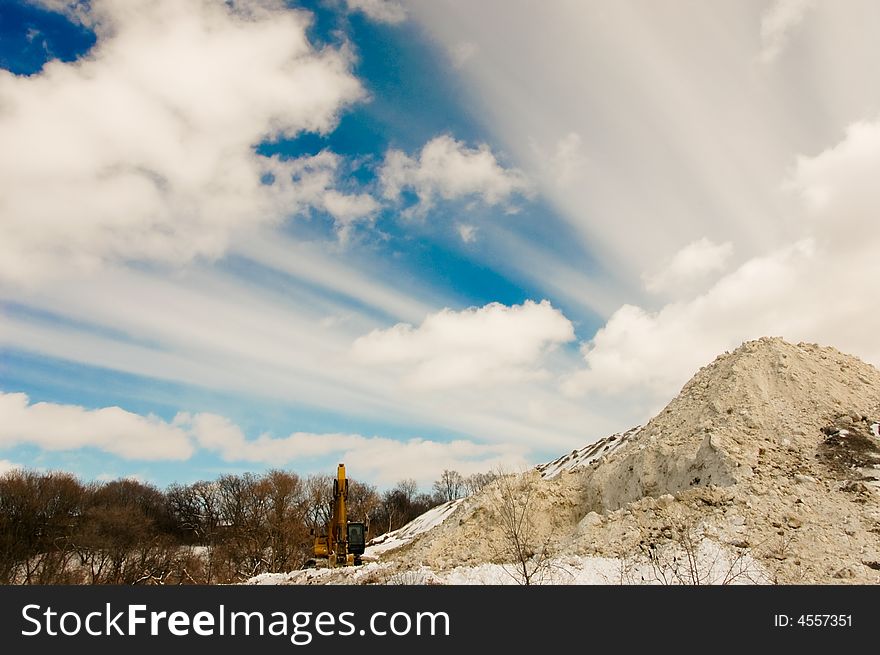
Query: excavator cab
pixel 357 541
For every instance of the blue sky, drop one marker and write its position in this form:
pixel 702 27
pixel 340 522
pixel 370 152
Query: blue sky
pixel 253 234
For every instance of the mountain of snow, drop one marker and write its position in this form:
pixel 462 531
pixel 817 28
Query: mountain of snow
pixel 765 468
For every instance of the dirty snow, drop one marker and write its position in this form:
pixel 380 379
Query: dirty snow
pixel 587 454
pixel 720 565
pixel 402 536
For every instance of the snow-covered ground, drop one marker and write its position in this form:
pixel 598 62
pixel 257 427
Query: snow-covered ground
pixel 711 564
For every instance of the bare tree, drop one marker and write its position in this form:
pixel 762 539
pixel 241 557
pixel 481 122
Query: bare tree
pixel 449 486
pixel 286 520
pixel 408 488
pixel 363 501
pixel 402 504
pixel 319 495
pixel 54 529
pixel 476 481
pixel 526 555
pixel 37 514
pixel 685 556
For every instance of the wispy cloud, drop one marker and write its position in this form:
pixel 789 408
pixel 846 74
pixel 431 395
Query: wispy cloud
pixel 217 331
pixel 312 182
pixel 778 21
pixel 382 11
pixel 690 265
pixel 811 290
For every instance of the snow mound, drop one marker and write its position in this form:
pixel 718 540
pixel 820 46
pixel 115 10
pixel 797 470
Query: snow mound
pixel 402 536
pixel 587 454
pixel 764 468
pixel 765 394
pixel 757 451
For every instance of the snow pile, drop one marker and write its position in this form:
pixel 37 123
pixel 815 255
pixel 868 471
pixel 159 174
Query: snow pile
pixel 587 454
pixel 763 393
pixel 402 536
pixel 750 455
pixel 765 468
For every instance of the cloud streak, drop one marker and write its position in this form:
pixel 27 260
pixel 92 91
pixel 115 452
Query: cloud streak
pixel 381 11
pixel 778 22
pixel 690 265
pixel 814 289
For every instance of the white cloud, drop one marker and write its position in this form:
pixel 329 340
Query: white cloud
pixel 659 351
pixel 6 466
pixel 819 289
pixel 382 11
pixel 316 266
pixel 53 426
pixel 378 459
pixel 672 152
pixel 461 52
pixel 468 233
pixel 490 345
pixel 310 182
pixel 839 187
pixel 566 164
pixel 449 169
pixel 348 208
pixel 220 332
pixel 777 23
pixel 143 150
pixel 691 264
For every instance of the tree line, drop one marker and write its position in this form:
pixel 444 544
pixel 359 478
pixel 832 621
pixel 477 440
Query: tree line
pixel 56 529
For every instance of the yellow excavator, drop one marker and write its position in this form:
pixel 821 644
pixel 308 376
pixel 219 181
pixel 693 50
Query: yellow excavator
pixel 343 542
